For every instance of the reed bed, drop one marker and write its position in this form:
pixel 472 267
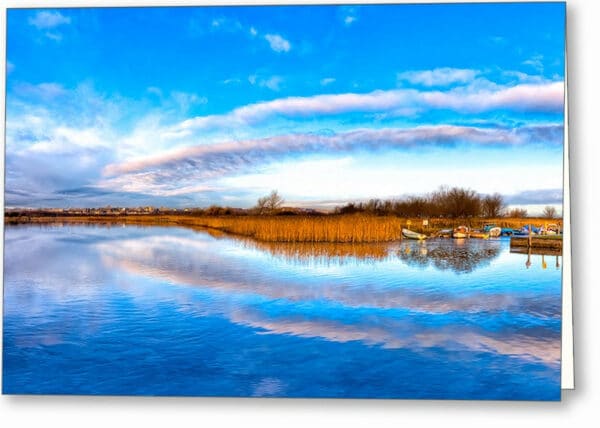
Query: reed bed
pixel 352 228
pixel 346 228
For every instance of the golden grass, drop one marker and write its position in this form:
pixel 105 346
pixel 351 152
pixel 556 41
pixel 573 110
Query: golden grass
pixel 350 228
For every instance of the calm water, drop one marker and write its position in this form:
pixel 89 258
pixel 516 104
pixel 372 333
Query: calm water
pixel 168 311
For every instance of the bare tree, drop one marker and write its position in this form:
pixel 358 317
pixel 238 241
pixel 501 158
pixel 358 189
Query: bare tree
pixel 549 212
pixel 517 213
pixel 269 203
pixel 261 205
pixel 492 205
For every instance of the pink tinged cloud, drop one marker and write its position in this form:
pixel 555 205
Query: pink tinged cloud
pixel 544 97
pixel 525 97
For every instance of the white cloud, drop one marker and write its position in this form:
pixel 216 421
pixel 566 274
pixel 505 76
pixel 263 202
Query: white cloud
pixel 327 81
pixel 253 31
pixel 278 43
pixel 349 19
pixel 9 67
pixel 438 77
pixel 48 19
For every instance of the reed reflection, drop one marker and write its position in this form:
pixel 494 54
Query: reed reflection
pixel 323 253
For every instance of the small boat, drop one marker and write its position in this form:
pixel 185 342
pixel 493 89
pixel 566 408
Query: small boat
pixel 409 234
pixel 495 232
pixel 478 234
pixel 445 233
pixel 460 232
pixel 489 226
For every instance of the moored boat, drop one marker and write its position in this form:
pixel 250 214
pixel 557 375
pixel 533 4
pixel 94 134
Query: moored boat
pixel 409 234
pixel 445 233
pixel 551 229
pixel 495 232
pixel 460 232
pixel 478 234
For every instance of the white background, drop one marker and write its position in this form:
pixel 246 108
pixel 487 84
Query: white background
pixel 578 408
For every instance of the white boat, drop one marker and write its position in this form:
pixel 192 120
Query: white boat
pixel 460 232
pixel 409 234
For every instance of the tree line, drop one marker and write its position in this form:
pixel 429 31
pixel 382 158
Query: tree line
pixel 445 202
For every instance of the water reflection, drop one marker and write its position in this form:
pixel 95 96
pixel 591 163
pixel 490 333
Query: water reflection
pixel 544 253
pixel 455 255
pixel 322 252
pixel 199 262
pixel 84 287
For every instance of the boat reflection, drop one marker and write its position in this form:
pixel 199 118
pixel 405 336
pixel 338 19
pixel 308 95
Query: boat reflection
pixel 456 255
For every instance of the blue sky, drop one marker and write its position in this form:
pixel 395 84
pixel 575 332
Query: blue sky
pixel 196 106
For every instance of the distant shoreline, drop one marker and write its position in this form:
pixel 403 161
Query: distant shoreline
pixel 353 228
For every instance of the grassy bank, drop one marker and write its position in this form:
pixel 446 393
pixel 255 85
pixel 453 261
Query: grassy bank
pixel 352 228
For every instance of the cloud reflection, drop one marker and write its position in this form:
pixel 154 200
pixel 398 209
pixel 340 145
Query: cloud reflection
pixel 224 269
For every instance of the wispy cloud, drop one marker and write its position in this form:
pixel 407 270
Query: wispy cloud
pixel 349 15
pixel 219 159
pixel 48 22
pixel 272 82
pixel 327 81
pixel 439 77
pixel 498 40
pixel 231 81
pixel 185 100
pixel 226 25
pixel 536 62
pixel 43 91
pixel 182 101
pixel 278 43
pixel 44 20
pixel 9 67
